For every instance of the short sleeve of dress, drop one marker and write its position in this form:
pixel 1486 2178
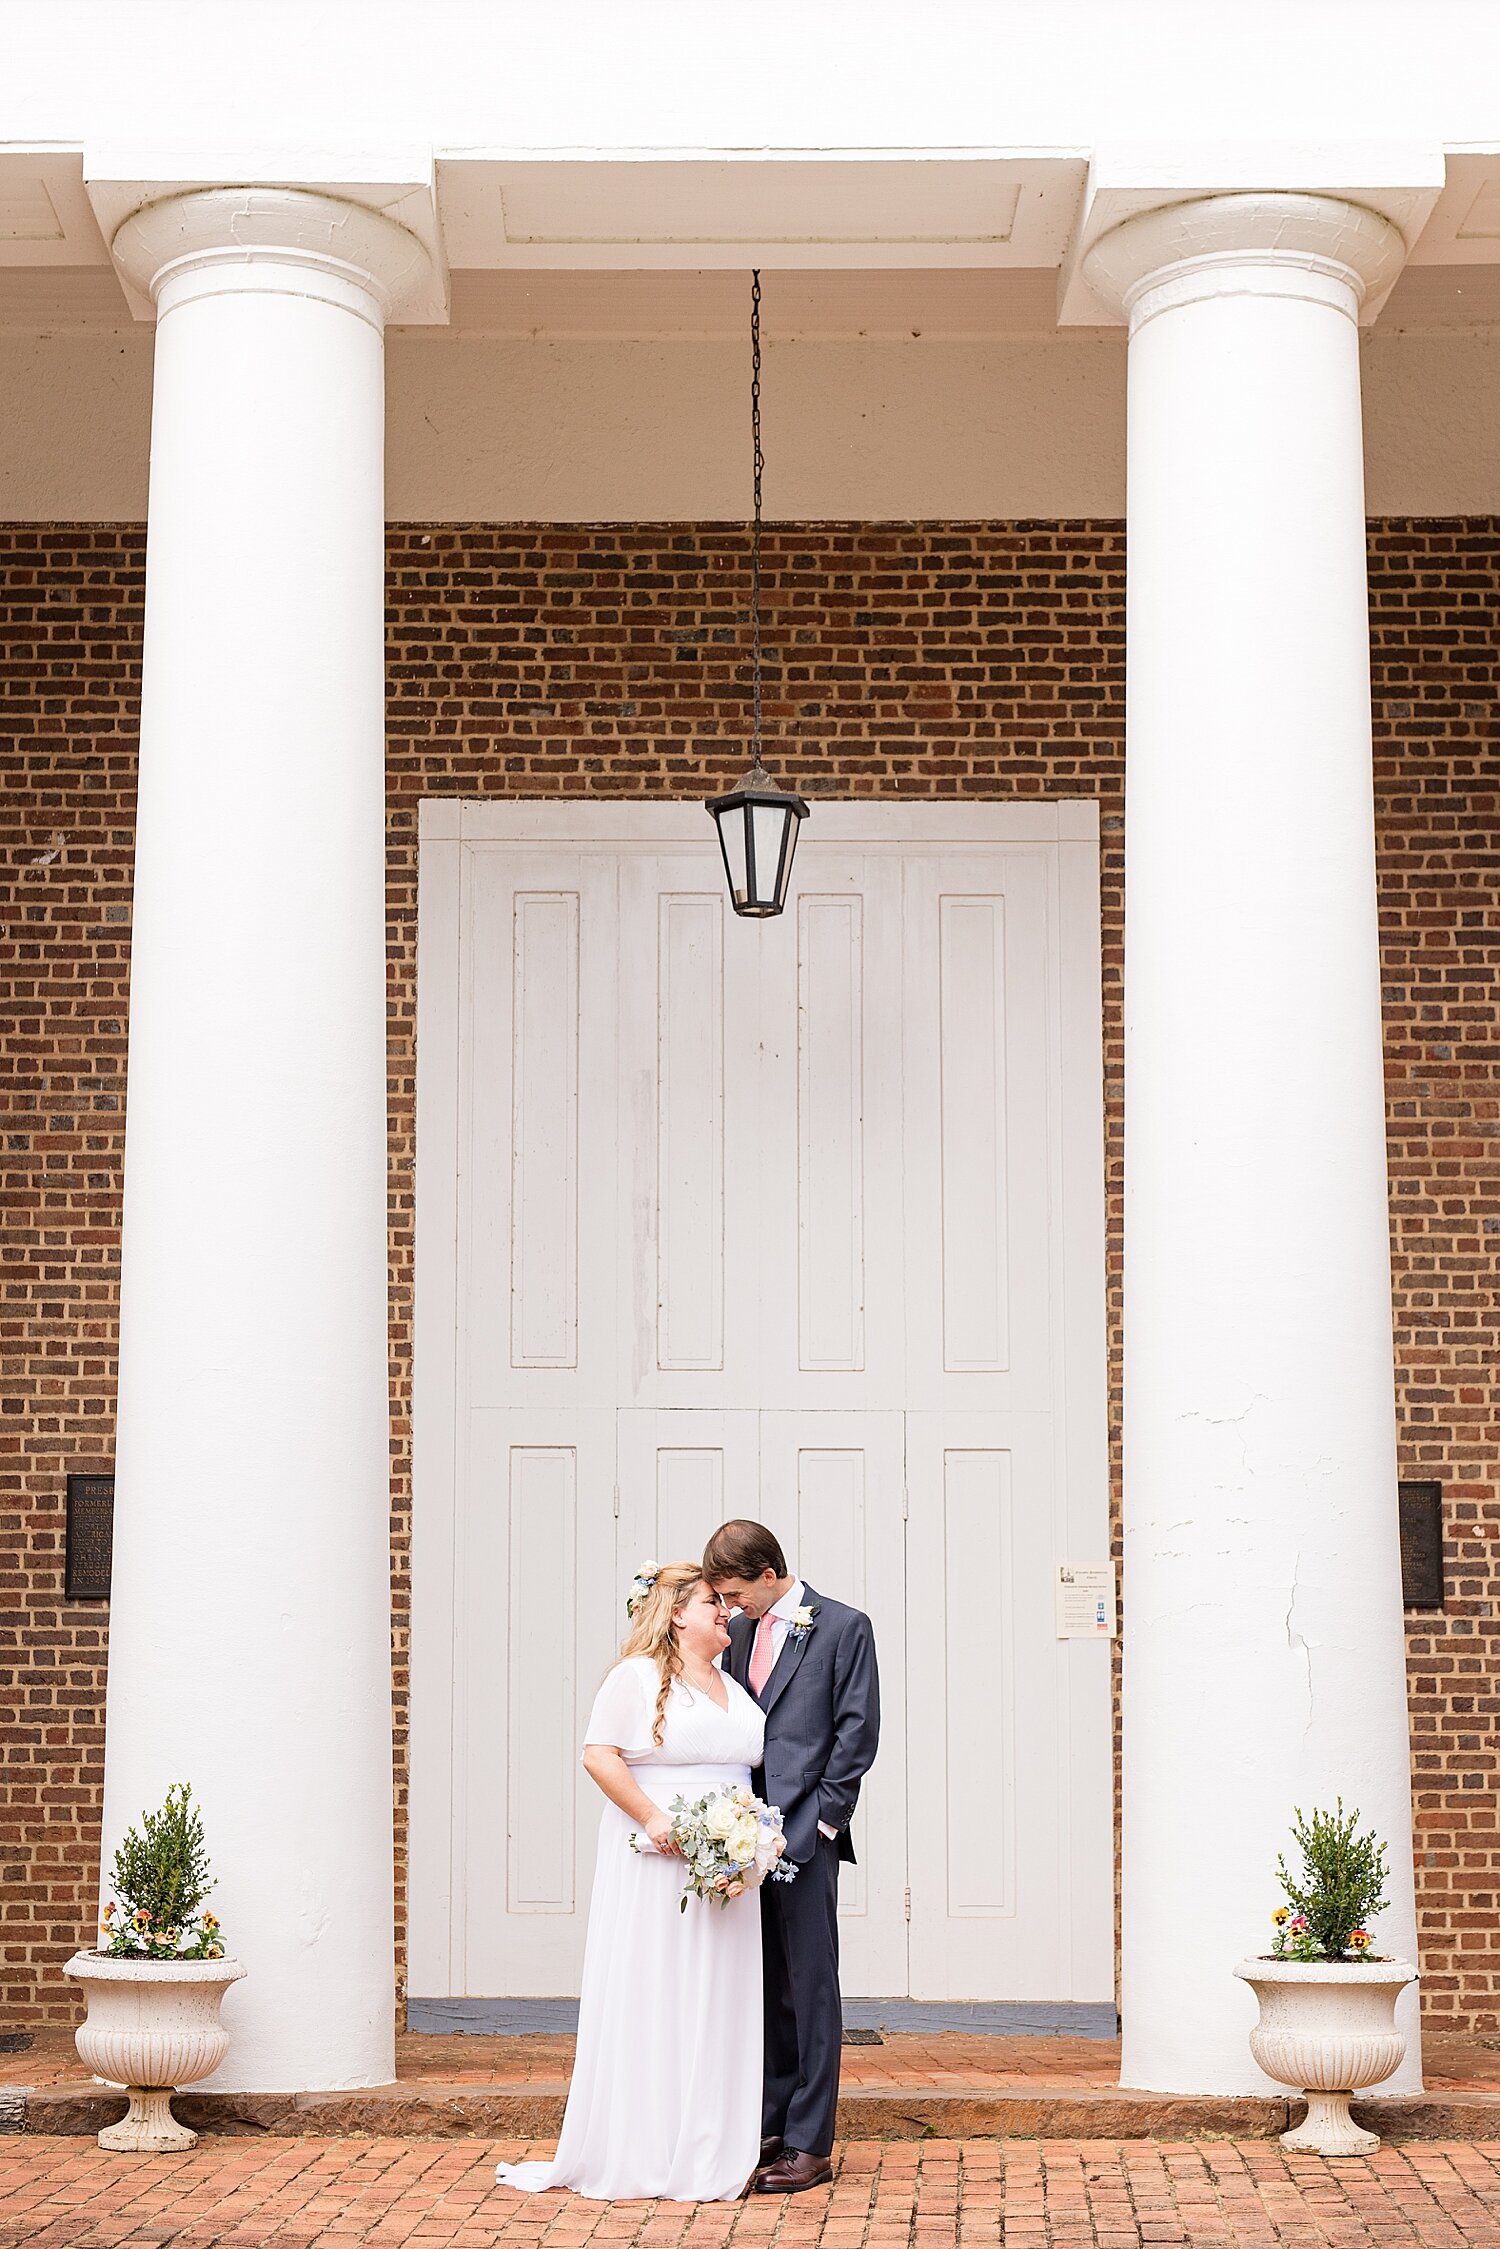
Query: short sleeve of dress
pixel 621 1717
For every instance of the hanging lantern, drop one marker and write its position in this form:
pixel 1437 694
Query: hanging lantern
pixel 758 820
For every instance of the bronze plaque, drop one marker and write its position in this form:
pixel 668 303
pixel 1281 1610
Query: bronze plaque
pixel 91 1536
pixel 1421 1545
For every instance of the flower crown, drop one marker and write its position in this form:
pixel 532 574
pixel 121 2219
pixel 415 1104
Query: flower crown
pixel 640 1585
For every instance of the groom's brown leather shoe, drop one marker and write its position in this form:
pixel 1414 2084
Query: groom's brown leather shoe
pixel 794 2173
pixel 770 2148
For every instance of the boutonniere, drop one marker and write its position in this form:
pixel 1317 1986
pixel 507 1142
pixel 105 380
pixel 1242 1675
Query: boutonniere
pixel 802 1621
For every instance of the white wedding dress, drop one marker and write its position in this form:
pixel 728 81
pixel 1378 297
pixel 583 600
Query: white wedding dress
pixel 666 2090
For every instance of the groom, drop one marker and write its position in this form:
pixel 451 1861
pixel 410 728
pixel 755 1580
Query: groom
pixel 810 1664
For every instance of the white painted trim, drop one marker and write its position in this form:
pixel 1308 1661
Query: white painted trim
pixel 623 821
pixel 1083 1425
pixel 434 1401
pixel 439 819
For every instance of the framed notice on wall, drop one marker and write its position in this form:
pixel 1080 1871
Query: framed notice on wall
pixel 91 1537
pixel 1421 1506
pixel 1085 1601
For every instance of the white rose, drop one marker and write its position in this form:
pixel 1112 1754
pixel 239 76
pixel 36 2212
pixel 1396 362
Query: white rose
pixel 722 1818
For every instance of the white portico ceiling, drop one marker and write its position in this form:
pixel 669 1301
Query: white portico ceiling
pixel 1464 228
pixel 886 303
pixel 772 207
pixel 856 244
pixel 46 218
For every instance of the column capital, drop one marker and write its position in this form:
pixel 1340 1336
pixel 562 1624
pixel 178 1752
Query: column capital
pixel 278 240
pixel 1317 247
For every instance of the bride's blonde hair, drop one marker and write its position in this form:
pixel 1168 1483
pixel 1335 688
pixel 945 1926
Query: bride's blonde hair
pixel 652 1632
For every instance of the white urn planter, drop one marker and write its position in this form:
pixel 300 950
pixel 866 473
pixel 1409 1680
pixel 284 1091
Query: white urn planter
pixel 152 2025
pixel 1329 2028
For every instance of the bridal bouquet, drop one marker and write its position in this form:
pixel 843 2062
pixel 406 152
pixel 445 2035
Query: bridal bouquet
pixel 730 1842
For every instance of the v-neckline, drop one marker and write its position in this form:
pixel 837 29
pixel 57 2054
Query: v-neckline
pixel 708 1694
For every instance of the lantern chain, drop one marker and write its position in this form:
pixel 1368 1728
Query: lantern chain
pixel 758 461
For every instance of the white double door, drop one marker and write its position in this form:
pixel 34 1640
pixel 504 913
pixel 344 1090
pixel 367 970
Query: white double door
pixel 762 1220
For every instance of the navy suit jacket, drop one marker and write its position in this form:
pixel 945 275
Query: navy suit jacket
pixel 822 1706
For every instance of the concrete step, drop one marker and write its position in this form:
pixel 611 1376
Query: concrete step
pixel 425 2110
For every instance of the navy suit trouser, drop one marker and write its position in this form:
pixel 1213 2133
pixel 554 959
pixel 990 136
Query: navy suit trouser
pixel 804 2017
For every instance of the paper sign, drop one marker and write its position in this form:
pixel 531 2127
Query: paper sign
pixel 1085 1602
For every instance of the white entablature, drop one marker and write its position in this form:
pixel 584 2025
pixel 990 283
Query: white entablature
pixel 1016 215
pixel 584 137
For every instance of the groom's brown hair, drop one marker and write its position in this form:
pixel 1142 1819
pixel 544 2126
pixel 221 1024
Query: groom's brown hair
pixel 742 1549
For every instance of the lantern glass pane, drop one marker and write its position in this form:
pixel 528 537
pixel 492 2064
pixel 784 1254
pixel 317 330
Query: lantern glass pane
pixel 793 830
pixel 732 840
pixel 770 829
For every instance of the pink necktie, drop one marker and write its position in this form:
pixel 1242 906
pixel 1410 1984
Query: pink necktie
pixel 762 1655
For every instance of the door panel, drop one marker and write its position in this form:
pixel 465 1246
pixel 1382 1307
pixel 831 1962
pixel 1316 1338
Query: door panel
pixel 535 1628
pixel 980 1104
pixel 537 1146
pixel 988 1786
pixel 829 1249
pixel 681 1474
pixel 683 1120
pixel 831 1486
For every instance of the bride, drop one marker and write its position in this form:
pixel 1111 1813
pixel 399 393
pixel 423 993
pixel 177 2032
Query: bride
pixel 666 2090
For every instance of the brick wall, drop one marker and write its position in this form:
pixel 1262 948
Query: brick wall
pixel 1435 626
pixel 70 634
pixel 929 660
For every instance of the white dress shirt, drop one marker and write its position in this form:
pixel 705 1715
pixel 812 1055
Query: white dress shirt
pixel 795 1597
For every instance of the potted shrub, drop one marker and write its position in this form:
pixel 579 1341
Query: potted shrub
pixel 1327 2000
pixel 156 1980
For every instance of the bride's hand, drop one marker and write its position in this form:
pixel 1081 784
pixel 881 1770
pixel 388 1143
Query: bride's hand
pixel 660 1831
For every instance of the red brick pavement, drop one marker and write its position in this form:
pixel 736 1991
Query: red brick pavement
pixel 375 2194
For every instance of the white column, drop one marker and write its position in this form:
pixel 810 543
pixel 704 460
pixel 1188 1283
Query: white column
pixel 1264 1664
pixel 250 1620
